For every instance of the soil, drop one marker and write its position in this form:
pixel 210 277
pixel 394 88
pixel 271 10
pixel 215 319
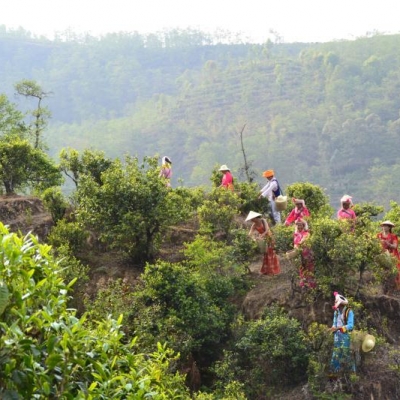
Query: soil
pixel 25 214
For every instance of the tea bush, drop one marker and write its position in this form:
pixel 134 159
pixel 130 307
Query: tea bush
pixel 48 352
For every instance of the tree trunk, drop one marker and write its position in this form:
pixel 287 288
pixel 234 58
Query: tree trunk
pixel 9 187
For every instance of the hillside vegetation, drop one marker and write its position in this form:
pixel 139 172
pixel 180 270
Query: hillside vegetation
pixel 109 311
pixel 128 288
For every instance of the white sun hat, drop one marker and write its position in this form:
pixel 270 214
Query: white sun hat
pixel 339 299
pixel 252 215
pixel 224 168
pixel 346 199
pixel 387 222
pixel 368 343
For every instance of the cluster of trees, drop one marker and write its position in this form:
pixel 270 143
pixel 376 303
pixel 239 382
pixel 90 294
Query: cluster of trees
pixel 24 164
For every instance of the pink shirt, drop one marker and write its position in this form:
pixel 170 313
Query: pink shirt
pixel 295 214
pixel 166 172
pixel 346 214
pixel 299 236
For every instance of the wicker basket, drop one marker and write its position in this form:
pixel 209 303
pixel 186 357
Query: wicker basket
pixel 281 203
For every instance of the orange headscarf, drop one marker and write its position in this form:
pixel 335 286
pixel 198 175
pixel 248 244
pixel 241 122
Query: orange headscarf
pixel 268 173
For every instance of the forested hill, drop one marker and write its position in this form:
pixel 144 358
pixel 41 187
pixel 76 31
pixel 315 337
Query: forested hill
pixel 322 113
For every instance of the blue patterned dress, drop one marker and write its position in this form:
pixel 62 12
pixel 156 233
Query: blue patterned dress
pixel 342 359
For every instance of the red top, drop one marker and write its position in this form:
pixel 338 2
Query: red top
pixel 296 214
pixel 227 179
pixel 261 228
pixel 387 239
pixel 299 236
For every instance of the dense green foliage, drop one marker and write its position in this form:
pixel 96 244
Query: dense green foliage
pixel 130 207
pixel 324 116
pixel 49 352
pixel 23 164
pixel 268 353
pixel 55 202
pixel 189 310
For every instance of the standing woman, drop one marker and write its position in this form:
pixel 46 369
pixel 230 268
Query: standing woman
pixel 227 179
pixel 299 211
pixel 306 272
pixel 343 323
pixel 345 211
pixel 390 242
pixel 260 231
pixel 166 170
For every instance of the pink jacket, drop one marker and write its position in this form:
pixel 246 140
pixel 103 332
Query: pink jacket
pixel 295 214
pixel 346 214
pixel 299 237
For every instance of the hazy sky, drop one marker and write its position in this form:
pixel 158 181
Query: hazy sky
pixel 294 20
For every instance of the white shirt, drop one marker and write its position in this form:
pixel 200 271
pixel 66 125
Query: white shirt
pixel 267 190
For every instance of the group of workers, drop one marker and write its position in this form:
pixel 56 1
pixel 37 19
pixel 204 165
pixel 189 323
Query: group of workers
pixel 298 216
pixel 343 320
pixel 342 359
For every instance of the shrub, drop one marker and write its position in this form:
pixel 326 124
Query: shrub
pixel 340 256
pixel 283 236
pixel 316 200
pixel 218 212
pixel 320 342
pixel 244 248
pixel 248 193
pixel 189 309
pixel 69 234
pixel 113 299
pixel 71 267
pixel 268 353
pixel 47 352
pixel 55 202
pixel 132 207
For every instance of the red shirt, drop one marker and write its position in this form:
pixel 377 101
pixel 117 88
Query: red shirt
pixel 227 179
pixel 392 239
pixel 295 214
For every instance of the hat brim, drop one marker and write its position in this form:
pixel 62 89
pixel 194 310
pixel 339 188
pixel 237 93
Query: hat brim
pixel 388 223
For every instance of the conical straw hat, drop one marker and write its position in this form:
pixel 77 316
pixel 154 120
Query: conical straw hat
pixel 252 215
pixel 387 222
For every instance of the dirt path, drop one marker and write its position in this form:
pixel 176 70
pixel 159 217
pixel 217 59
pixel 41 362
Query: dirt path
pixel 268 289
